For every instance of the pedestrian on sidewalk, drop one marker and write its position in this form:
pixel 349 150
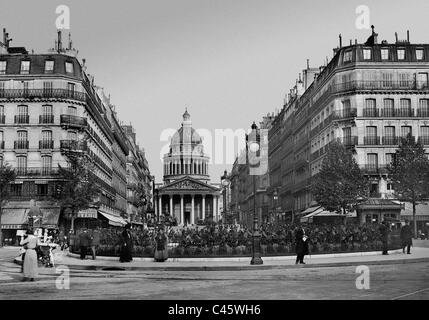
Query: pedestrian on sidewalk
pixel 161 246
pixel 301 245
pixel 30 260
pixel 406 237
pixel 126 245
pixel 84 242
pixel 95 242
pixel 384 231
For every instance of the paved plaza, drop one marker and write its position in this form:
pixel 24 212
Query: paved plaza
pixel 396 276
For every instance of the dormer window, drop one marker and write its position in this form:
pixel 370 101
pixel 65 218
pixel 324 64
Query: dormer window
pixel 347 56
pixel 420 54
pixel 401 54
pixel 367 54
pixel 69 67
pixel 49 66
pixel 2 67
pixel 25 67
pixel 384 54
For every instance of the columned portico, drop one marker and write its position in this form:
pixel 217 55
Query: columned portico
pixel 191 198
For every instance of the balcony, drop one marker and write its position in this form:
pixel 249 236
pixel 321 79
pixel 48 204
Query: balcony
pixel 390 141
pixel 388 113
pixel 73 121
pixel 424 140
pixel 371 141
pixel 344 114
pixel 350 141
pixel 42 93
pixel 404 113
pixel 2 119
pixel 46 119
pixel 374 169
pixel 423 113
pixel 370 113
pixel 21 144
pixel 36 171
pixel 22 118
pixel 46 144
pixel 72 145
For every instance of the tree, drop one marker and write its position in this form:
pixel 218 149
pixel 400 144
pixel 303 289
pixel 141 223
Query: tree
pixel 7 175
pixel 77 187
pixel 339 184
pixel 141 200
pixel 409 174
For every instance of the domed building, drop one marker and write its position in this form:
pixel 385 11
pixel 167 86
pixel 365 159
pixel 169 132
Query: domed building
pixel 186 194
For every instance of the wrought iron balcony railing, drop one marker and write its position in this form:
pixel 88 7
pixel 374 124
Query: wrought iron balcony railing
pixel 42 93
pixel 344 114
pixel 424 140
pixel 350 141
pixel 36 171
pixel 72 145
pixel 2 118
pixel 46 119
pixel 46 144
pixel 373 141
pixel 1 144
pixel 390 141
pixel 22 118
pixel 21 144
pixel 423 113
pixel 72 121
pixel 370 113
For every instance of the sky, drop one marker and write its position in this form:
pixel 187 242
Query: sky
pixel 230 62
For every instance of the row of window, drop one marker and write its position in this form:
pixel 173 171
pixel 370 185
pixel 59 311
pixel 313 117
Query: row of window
pixel 26 64
pixel 385 53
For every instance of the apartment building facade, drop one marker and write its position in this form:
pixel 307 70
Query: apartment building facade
pixel 49 105
pixel 368 97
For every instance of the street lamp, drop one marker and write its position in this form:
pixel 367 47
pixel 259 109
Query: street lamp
pixel 253 147
pixel 276 198
pixel 225 184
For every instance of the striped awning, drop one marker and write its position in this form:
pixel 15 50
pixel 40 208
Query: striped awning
pixel 14 218
pixel 113 220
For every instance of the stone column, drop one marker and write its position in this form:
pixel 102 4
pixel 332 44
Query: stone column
pixel 159 205
pixel 171 206
pixel 192 211
pixel 214 208
pixel 204 207
pixel 217 209
pixel 182 213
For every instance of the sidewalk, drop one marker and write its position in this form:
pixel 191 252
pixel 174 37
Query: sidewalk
pixel 229 264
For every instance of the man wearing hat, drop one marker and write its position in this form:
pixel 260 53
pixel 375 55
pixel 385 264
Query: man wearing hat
pixel 406 237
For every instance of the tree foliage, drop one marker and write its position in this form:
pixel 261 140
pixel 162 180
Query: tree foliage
pixel 409 173
pixel 340 183
pixel 7 175
pixel 77 188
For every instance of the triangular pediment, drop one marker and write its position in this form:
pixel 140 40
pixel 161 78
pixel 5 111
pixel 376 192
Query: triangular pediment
pixel 188 183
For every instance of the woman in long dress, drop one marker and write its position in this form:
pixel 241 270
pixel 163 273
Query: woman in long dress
pixel 30 261
pixel 161 246
pixel 126 245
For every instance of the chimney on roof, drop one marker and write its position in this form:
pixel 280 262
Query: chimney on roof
pixel 350 42
pixel 341 40
pixel 70 42
pixel 408 36
pixel 60 45
pixel 396 37
pixel 308 64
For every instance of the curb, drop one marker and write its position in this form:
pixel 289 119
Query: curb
pixel 243 267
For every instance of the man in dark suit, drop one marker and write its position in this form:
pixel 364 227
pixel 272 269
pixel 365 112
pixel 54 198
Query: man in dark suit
pixel 84 242
pixel 385 230
pixel 406 237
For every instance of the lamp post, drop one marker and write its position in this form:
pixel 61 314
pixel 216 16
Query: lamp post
pixel 225 184
pixel 276 198
pixel 253 148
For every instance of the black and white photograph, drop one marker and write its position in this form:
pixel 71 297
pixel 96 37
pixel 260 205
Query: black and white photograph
pixel 214 155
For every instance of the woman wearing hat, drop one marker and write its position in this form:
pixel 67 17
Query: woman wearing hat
pixel 126 245
pixel 30 261
pixel 161 246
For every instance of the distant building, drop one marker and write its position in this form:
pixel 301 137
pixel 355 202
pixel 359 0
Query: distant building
pixel 241 202
pixel 186 195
